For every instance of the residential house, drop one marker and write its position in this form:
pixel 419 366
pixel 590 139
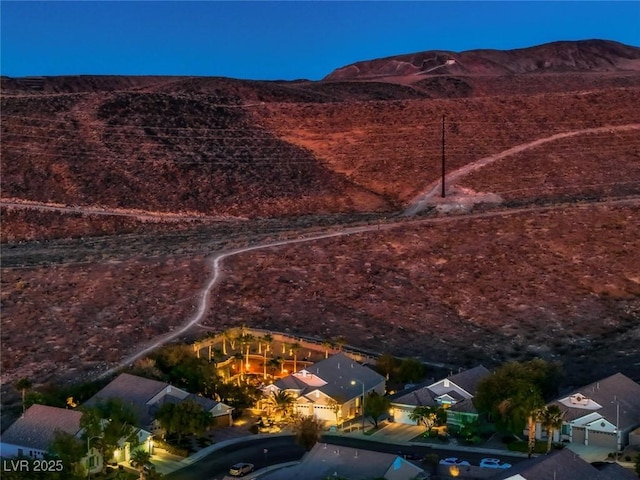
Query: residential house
pixel 333 461
pixel 454 393
pixel 33 433
pixel 330 390
pixel 601 414
pixel 145 396
pixel 566 465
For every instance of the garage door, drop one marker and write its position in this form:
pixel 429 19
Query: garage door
pixel 602 439
pixel 578 435
pixel 402 416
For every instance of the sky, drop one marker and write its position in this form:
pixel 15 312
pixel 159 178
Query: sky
pixel 283 40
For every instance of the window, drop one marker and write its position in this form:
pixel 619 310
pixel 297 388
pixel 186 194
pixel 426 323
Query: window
pixel 566 429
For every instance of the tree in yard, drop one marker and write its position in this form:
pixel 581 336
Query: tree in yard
pixel 140 458
pixel 294 349
pixel 184 418
pixel 327 344
pixel 506 394
pixel 274 364
pixel 411 370
pixel 429 416
pixel 239 397
pixel 268 340
pixel 340 342
pixel 387 365
pixel 113 422
pixel 238 356
pixel 637 465
pixel 230 335
pixel 281 403
pixel 246 340
pixel 307 431
pixel 71 451
pixel 523 407
pixel 335 408
pixel 23 385
pixel 551 418
pixel 375 406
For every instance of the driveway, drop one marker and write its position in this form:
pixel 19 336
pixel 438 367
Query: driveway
pixel 398 433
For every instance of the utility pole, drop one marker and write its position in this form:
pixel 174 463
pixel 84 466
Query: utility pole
pixel 443 170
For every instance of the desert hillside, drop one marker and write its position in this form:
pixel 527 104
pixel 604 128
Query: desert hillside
pixel 119 192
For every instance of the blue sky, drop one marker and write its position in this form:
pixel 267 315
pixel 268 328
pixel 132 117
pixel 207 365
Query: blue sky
pixel 281 40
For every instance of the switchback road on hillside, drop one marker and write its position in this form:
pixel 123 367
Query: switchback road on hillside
pixel 421 201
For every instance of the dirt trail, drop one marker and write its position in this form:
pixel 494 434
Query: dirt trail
pixel 142 215
pixel 424 199
pixel 204 296
pixel 217 273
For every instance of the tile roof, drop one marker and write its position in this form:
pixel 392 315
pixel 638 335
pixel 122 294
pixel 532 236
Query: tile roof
pixel 561 464
pixel 425 395
pixel 338 371
pixel 468 380
pixel 36 428
pixel 606 394
pixel 134 391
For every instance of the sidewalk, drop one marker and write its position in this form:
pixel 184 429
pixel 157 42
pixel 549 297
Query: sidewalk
pixel 402 435
pixel 166 463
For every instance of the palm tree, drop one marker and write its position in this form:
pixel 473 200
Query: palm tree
pixel 281 402
pixel 140 459
pixel 327 344
pixel 525 404
pixel 274 364
pixel 267 339
pixel 341 342
pixel 231 336
pixel 294 348
pixel 245 341
pixel 551 418
pixel 23 385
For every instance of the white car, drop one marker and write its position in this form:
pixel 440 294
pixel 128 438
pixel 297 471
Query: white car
pixel 240 469
pixel 454 461
pixel 493 463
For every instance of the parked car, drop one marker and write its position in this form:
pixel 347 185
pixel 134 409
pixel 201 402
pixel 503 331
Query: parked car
pixel 408 455
pixel 241 469
pixel 454 461
pixel 493 463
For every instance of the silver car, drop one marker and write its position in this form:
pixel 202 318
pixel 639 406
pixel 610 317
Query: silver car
pixel 241 469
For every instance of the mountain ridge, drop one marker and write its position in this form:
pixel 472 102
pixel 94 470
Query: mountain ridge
pixel 554 57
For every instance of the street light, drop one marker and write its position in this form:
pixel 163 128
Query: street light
pixel 353 382
pixel 617 402
pixel 89 453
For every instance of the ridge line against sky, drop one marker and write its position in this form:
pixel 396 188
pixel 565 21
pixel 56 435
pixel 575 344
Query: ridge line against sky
pixel 281 40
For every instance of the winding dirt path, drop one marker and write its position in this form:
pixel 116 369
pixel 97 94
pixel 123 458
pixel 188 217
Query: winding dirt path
pixel 422 200
pixel 204 296
pixel 141 215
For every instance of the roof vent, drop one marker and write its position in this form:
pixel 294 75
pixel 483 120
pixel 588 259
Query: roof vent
pixel 579 399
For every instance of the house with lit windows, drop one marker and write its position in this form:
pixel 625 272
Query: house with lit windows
pixel 601 414
pixel 34 432
pixel 330 390
pixel 453 393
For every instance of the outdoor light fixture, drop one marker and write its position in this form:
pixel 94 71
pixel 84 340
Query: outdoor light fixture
pixel 353 382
